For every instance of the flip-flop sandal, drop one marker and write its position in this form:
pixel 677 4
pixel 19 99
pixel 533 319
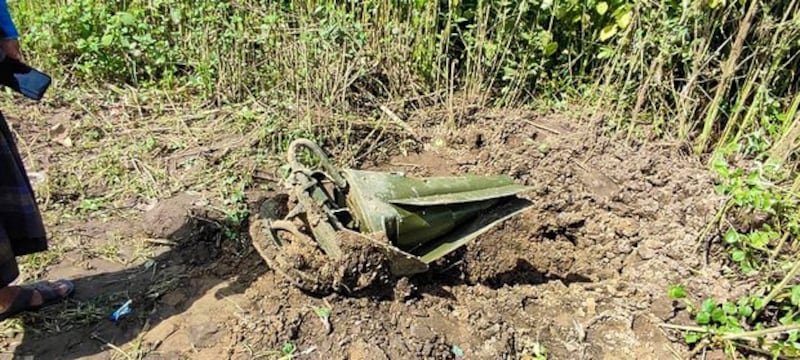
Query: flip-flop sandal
pixel 45 288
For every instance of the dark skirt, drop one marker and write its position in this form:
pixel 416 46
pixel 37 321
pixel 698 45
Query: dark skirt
pixel 21 228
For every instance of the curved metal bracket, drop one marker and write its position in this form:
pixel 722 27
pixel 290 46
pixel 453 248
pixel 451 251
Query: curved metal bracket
pixel 330 171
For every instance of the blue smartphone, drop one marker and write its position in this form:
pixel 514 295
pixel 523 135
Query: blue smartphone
pixel 24 79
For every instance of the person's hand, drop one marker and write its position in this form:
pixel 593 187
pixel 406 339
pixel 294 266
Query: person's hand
pixel 10 47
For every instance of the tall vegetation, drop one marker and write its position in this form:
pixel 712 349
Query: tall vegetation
pixel 720 76
pixel 712 72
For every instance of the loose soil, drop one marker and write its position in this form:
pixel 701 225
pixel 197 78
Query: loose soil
pixel 583 274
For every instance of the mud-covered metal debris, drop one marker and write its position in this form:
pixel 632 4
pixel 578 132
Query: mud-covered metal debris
pixel 343 229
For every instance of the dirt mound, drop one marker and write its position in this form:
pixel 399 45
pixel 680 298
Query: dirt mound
pixel 585 271
pixel 172 218
pixel 601 209
pixel 583 274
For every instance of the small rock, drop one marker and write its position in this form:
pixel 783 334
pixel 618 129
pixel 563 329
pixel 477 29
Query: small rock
pixel 570 220
pixel 662 308
pixel 493 330
pixel 627 227
pixel 403 289
pixel 37 178
pixel 646 253
pixel 438 143
pixel 657 181
pixel 624 247
pixel 653 244
pixel 60 134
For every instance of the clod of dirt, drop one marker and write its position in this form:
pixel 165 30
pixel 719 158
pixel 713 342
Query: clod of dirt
pixel 305 256
pixel 403 289
pixel 304 264
pixel 171 218
pixel 362 266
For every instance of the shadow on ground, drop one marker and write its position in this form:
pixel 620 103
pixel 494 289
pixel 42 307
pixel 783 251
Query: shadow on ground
pixel 202 268
pixel 161 288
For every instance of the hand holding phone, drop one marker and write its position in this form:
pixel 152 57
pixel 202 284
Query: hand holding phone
pixel 23 79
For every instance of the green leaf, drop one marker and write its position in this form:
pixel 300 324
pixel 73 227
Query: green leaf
pixel 758 303
pixel 708 305
pixel 608 31
pixel 605 53
pixel 625 19
pixel 126 18
pixel 733 326
pixel 721 166
pixel 550 48
pixel 729 308
pixel 107 39
pixel 545 37
pixel 175 15
pixel 786 319
pixel 713 4
pixel 602 7
pixel 677 292
pixel 744 307
pixel 796 295
pixel 759 239
pixel 718 315
pixel 738 256
pixel 747 268
pixel 703 318
pixel 323 312
pixel 691 337
pixel 288 348
pixel 731 236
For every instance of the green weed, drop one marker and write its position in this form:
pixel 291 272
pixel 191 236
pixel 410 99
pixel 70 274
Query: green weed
pixel 755 194
pixel 758 227
pixel 742 325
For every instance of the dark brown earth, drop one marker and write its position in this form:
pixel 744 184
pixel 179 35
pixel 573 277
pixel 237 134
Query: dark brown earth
pixel 583 274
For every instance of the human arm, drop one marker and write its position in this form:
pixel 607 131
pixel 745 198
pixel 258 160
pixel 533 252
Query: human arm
pixel 8 42
pixel 7 26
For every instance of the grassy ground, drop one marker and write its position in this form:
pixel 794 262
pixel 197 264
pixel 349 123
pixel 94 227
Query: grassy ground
pixel 164 96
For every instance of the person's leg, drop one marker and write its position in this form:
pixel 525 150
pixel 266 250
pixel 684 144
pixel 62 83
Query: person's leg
pixel 17 298
pixel 21 233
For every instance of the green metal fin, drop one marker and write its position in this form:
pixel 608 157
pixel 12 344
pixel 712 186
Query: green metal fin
pixel 372 194
pixel 418 225
pixel 414 211
pixel 437 249
pixel 463 196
